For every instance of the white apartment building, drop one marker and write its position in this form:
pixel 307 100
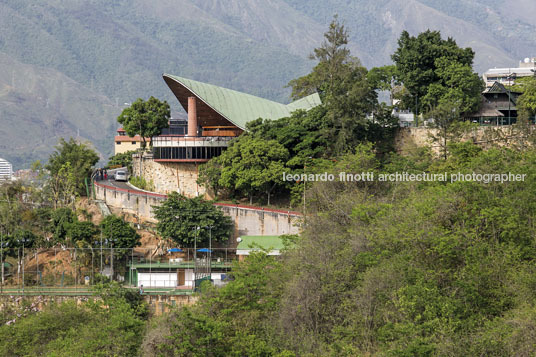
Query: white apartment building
pixel 6 170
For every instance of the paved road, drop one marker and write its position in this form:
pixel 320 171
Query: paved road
pixel 112 182
pixel 118 184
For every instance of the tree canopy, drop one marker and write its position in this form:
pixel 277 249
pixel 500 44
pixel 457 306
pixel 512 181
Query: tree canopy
pixel 346 93
pixel 334 64
pixel 71 162
pixel 145 118
pixel 180 217
pixel 123 159
pixel 251 165
pixel 111 325
pixel 526 102
pixel 122 235
pixel 433 69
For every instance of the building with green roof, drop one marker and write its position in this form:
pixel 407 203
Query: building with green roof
pixel 215 116
pixel 273 245
pixel 221 106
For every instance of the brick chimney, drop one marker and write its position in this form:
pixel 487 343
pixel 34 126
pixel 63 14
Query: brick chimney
pixel 192 116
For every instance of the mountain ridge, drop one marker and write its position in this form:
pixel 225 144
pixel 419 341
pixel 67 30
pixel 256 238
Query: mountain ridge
pixel 118 51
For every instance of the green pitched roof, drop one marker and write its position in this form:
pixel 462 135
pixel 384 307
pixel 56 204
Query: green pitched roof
pixel 265 242
pixel 240 108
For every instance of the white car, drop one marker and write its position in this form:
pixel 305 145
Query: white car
pixel 121 176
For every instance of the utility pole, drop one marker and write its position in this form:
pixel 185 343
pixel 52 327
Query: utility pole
pixel 2 256
pixel 195 256
pixel 112 260
pixel 305 185
pixel 101 251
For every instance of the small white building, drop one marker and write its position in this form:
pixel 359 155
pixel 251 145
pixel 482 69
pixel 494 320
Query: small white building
pixel 406 118
pixel 172 274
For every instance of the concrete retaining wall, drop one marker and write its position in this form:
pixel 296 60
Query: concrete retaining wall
pixel 247 220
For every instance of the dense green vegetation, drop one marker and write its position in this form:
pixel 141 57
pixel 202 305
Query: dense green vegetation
pixel 190 221
pixel 69 166
pixel 526 103
pixel 120 233
pixel 350 113
pixel 436 72
pixel 42 213
pixel 145 118
pixel 141 183
pixel 387 268
pixel 121 160
pixel 110 325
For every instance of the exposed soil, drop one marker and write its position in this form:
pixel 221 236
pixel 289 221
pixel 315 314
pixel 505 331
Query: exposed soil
pixel 57 262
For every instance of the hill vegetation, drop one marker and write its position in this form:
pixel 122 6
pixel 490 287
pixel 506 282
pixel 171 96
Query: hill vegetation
pixel 400 268
pixel 441 266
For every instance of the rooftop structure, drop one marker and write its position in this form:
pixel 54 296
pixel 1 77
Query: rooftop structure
pixel 218 106
pixel 508 76
pixel 176 273
pixel 498 106
pixel 272 244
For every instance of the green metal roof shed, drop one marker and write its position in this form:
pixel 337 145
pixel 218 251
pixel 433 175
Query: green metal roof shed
pixel 273 244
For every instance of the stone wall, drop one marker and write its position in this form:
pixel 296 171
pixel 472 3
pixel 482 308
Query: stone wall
pixel 170 176
pixel 485 136
pixel 158 304
pixel 247 220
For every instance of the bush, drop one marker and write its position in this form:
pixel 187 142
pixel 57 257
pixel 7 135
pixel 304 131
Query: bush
pixel 141 183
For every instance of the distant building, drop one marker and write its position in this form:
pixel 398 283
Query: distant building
pixel 406 118
pixel 507 76
pixel 499 106
pixel 175 273
pixel 124 143
pixel 25 175
pixel 6 170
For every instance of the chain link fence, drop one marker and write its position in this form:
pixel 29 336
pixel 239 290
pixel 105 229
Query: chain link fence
pixel 146 269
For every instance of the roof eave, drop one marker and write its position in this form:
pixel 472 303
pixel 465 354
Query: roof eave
pixel 174 79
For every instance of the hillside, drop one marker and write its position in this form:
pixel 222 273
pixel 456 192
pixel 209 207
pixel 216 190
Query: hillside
pixel 116 52
pixel 40 105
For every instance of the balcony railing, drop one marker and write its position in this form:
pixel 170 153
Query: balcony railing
pixel 186 141
pixel 231 131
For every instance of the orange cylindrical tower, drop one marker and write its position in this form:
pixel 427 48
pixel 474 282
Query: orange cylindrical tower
pixel 192 116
